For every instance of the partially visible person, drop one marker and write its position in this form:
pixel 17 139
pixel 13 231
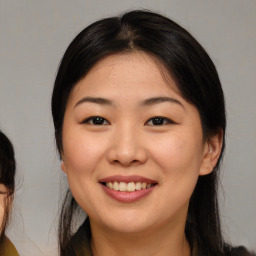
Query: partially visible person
pixel 7 185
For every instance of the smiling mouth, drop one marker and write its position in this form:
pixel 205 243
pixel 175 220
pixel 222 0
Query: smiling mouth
pixel 128 187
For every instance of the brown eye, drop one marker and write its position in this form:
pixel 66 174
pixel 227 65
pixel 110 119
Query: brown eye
pixel 96 120
pixel 158 120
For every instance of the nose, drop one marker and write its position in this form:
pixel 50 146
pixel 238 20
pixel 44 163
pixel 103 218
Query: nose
pixel 126 148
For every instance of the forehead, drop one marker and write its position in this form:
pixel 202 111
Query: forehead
pixel 127 72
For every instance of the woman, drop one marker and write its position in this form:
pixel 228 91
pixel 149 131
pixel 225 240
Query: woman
pixel 139 120
pixel 7 185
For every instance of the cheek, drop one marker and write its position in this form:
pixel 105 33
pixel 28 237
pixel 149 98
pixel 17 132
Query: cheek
pixel 177 150
pixel 179 157
pixel 179 160
pixel 82 155
pixel 81 152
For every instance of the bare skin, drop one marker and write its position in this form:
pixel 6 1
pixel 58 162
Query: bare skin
pixel 2 198
pixel 140 244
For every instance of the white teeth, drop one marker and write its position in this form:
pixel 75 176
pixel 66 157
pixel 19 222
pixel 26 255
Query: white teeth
pixel 128 187
pixel 138 186
pixel 122 186
pixel 116 186
pixel 131 186
pixel 109 185
pixel 144 185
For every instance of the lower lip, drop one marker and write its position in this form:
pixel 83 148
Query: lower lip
pixel 127 197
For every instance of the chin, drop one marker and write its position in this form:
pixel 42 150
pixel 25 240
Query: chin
pixel 128 223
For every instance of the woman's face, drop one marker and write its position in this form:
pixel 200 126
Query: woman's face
pixel 126 127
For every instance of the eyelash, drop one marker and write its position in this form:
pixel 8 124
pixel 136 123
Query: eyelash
pixel 91 119
pixel 163 121
pixel 101 120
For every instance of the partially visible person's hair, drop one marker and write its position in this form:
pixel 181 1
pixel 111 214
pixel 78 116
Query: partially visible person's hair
pixel 197 80
pixel 7 173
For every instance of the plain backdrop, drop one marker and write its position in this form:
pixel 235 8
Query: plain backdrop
pixel 33 37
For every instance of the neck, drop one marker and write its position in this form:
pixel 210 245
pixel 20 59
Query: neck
pixel 166 241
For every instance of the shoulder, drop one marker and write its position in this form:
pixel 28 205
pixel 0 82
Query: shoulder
pixel 7 248
pixel 238 251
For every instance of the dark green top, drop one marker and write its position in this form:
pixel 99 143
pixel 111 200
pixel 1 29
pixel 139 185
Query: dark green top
pixel 7 248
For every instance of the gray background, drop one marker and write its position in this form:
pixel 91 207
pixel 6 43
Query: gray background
pixel 33 37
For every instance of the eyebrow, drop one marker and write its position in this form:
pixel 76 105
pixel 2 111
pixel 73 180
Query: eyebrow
pixel 97 100
pixel 146 102
pixel 156 100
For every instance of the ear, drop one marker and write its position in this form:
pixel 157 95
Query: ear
pixel 212 150
pixel 63 166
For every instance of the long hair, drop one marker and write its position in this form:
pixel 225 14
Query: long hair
pixel 197 80
pixel 7 173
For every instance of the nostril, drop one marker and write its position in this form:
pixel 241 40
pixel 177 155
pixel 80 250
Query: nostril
pixel 126 162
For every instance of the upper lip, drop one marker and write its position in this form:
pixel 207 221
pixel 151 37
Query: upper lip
pixel 127 179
